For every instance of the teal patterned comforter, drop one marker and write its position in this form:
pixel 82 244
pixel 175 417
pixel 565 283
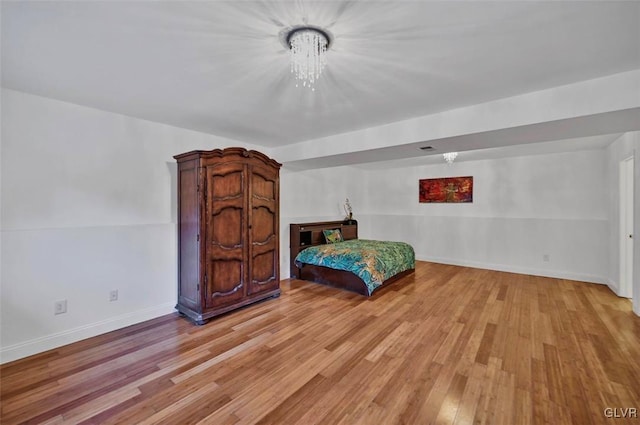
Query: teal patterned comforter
pixel 372 261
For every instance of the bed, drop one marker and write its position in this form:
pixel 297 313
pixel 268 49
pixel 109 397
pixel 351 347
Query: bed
pixel 357 265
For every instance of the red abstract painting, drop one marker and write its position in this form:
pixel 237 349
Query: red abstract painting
pixel 444 190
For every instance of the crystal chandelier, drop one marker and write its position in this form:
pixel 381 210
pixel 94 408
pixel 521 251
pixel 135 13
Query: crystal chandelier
pixel 449 157
pixel 308 54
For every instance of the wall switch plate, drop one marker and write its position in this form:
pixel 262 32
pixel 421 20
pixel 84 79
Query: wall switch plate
pixel 113 295
pixel 546 258
pixel 60 307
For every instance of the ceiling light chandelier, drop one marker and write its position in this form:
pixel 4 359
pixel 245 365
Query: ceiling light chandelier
pixel 450 157
pixel 308 46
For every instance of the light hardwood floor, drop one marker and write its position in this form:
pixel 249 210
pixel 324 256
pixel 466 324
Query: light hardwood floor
pixel 447 345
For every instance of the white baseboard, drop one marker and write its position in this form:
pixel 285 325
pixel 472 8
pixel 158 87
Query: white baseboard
pixel 613 286
pixel 39 345
pixel 616 290
pixel 516 269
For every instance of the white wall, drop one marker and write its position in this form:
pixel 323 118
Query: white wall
pixel 316 195
pixel 523 208
pixel 626 146
pixel 88 205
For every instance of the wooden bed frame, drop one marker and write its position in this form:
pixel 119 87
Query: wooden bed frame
pixel 304 235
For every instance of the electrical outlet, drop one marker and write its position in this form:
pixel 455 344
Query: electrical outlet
pixel 60 307
pixel 546 258
pixel 113 295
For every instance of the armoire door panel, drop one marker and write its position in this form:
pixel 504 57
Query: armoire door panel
pixel 263 270
pixel 264 205
pixel 225 187
pixel 219 253
pixel 227 181
pixel 264 230
pixel 224 282
pixel 234 202
pixel 269 203
pixel 263 184
pixel 259 248
pixel 226 228
pixel 263 225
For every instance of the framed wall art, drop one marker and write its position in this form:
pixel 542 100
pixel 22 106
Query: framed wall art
pixel 446 190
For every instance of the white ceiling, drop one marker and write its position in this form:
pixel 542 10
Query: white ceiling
pixel 219 66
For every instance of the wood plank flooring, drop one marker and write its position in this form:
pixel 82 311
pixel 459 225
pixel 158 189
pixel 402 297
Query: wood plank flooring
pixel 447 345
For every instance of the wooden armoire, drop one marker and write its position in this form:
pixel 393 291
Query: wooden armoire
pixel 228 231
